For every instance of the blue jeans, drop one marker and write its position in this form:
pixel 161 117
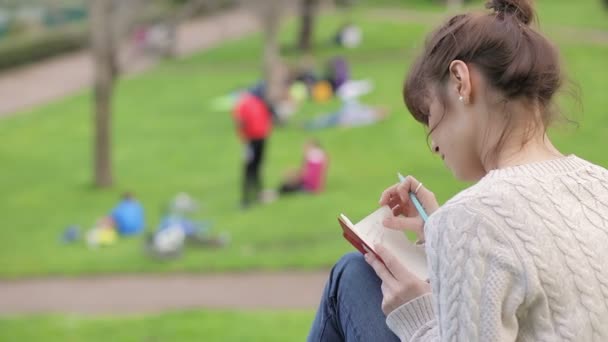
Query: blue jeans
pixel 350 308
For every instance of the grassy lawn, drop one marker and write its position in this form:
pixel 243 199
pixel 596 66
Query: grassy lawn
pixel 167 140
pixel 178 326
pixel 585 14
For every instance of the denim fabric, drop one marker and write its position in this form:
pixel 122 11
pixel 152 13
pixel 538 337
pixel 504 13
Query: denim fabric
pixel 350 308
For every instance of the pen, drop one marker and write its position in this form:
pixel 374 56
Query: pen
pixel 415 200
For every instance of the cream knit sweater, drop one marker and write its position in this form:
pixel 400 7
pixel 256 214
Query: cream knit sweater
pixel 520 256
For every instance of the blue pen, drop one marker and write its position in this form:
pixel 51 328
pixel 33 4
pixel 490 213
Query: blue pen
pixel 416 202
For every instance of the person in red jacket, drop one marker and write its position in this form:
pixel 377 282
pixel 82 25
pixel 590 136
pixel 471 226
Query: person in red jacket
pixel 254 124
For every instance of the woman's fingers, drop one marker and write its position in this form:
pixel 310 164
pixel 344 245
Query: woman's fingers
pixel 397 210
pixel 425 196
pixel 393 266
pixel 387 194
pixel 404 223
pixel 400 191
pixel 401 286
pixel 381 270
pixel 397 198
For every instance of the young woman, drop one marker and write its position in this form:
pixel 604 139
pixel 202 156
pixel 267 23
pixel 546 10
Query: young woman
pixel 522 255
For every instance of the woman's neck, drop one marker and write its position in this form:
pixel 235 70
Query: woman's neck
pixel 537 149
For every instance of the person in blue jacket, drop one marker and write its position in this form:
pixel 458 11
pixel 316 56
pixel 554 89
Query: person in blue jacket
pixel 128 215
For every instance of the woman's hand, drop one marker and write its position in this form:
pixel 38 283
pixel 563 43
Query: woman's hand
pixel 399 285
pixel 405 216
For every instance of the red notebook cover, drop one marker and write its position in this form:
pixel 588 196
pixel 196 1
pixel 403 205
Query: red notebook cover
pixel 355 240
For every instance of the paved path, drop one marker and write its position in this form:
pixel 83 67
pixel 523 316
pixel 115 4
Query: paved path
pixel 53 79
pixel 130 294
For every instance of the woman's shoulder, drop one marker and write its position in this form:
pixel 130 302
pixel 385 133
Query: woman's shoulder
pixel 483 202
pixel 473 195
pixel 505 195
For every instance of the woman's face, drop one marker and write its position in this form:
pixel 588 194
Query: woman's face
pixel 456 135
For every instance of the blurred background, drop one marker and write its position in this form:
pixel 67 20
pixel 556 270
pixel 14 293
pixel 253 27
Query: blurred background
pixel 126 209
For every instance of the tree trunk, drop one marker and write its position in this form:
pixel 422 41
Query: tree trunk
pixel 104 58
pixel 270 15
pixel 307 16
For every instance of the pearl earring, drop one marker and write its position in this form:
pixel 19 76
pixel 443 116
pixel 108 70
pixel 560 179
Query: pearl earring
pixel 461 98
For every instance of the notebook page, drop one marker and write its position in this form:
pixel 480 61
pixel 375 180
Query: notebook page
pixel 371 230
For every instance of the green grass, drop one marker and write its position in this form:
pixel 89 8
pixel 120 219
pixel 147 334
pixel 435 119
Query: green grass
pixel 166 140
pixel 584 14
pixel 176 326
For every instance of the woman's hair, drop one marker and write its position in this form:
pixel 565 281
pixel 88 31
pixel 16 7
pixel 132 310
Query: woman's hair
pixel 516 60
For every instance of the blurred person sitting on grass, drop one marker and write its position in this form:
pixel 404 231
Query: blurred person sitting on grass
pixel 310 177
pixel 518 256
pixel 351 114
pixel 128 215
pixel 126 219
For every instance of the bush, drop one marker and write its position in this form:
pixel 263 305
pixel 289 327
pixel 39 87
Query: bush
pixel 15 51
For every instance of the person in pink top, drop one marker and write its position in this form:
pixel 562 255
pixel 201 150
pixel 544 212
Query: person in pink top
pixel 311 176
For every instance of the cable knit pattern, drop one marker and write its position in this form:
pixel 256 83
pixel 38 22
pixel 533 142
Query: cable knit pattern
pixel 520 256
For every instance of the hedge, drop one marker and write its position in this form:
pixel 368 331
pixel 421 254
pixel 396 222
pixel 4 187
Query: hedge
pixel 15 51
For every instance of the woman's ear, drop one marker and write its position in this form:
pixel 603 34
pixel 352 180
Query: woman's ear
pixel 460 77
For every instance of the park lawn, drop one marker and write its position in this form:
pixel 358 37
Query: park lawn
pixel 167 140
pixel 588 14
pixel 208 325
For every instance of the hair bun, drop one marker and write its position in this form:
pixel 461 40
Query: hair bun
pixel 520 9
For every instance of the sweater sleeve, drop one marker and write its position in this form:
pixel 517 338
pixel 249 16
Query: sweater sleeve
pixel 477 283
